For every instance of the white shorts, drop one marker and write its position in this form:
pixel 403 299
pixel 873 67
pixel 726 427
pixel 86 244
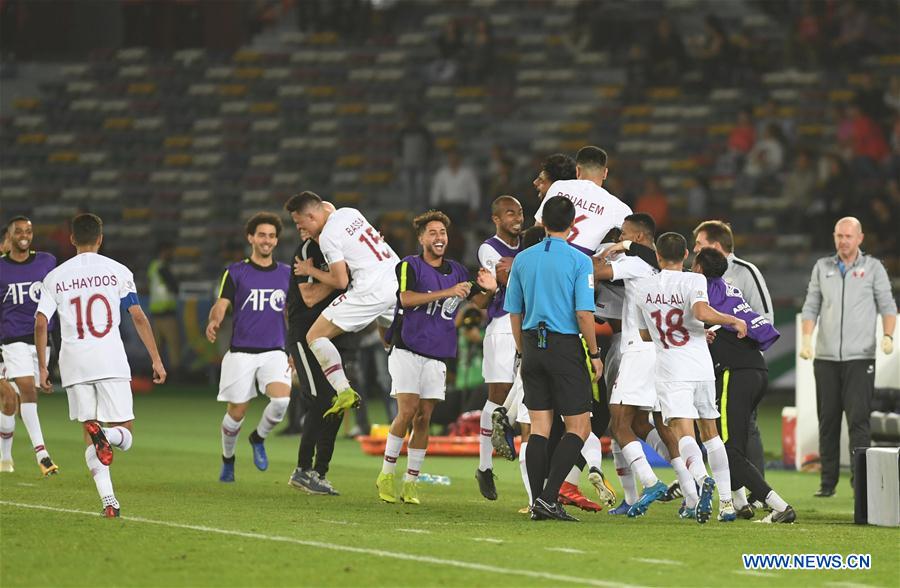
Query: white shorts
pixel 687 400
pixel 498 365
pixel 21 360
pixel 2 371
pixel 611 363
pixel 515 401
pixel 635 384
pixel 354 311
pixel 244 373
pixel 412 373
pixel 107 401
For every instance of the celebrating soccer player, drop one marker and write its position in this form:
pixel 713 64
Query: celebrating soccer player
pixel 21 273
pixel 88 292
pixel 424 337
pixel 256 288
pixel 351 246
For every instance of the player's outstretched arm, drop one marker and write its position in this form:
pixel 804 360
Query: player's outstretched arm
pixel 40 344
pixel 707 314
pixel 145 332
pixel 337 276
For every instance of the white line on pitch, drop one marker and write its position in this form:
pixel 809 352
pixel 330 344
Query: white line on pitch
pixel 564 550
pixel 451 563
pixel 336 522
pixel 847 584
pixel 756 573
pixel 487 540
pixel 659 562
pixel 421 531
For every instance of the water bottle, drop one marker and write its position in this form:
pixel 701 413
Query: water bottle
pixel 436 480
pixel 450 305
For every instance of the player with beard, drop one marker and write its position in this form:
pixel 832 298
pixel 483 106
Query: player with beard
pixel 558 166
pixel 22 271
pixel 499 365
pixel 256 288
pixel 423 335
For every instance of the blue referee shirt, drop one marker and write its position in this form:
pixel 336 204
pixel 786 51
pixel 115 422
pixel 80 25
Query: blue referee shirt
pixel 552 280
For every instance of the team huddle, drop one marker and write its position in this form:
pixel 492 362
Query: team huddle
pixel 684 343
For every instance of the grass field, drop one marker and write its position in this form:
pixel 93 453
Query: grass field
pixel 181 527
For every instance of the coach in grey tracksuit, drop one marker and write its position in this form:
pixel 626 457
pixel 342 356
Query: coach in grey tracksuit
pixel 846 292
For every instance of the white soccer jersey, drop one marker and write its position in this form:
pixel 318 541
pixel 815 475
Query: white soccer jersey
pixel 666 302
pixel 596 212
pixel 609 298
pixel 488 257
pixel 347 236
pixel 87 291
pixel 629 270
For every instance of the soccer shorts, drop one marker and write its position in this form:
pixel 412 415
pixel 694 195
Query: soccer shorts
pixel 498 365
pixel 612 360
pixel 687 400
pixel 412 373
pixel 21 360
pixel 244 373
pixel 353 311
pixel 556 378
pixel 107 401
pixel 635 384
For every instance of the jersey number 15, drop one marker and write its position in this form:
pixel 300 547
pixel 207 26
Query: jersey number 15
pixel 373 239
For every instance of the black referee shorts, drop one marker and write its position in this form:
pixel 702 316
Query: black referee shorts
pixel 556 378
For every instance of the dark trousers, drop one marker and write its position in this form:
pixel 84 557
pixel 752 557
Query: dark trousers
pixel 738 392
pixel 318 434
pixel 842 387
pixel 754 445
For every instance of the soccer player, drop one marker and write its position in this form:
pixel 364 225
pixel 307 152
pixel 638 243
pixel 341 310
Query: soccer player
pixel 558 166
pixel 256 288
pixel 673 306
pixel 306 300
pixel 89 291
pixel 741 381
pixel 498 367
pixel 423 335
pixel 352 247
pixel 596 210
pixel 21 272
pixel 7 396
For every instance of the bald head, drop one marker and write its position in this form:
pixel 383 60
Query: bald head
pixel 848 236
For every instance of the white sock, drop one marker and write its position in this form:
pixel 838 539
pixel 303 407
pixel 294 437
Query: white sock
pixel 626 476
pixel 119 437
pixel 101 476
pixel 739 497
pixel 655 441
pixel 28 410
pixel 685 482
pixel 414 459
pixel 272 415
pixel 776 502
pixel 693 458
pixel 718 463
pixel 391 453
pixel 592 450
pixel 573 476
pixel 485 449
pixel 230 430
pixel 7 430
pixel 524 471
pixel 329 359
pixel 634 456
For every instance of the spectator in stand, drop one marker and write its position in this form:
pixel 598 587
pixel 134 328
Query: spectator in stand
pixel 768 115
pixel 765 159
pixel 654 202
pixel 870 98
pixel 455 189
pixel 450 48
pixel 501 182
pixel 800 184
pixel 697 188
pixel 852 42
pixel 480 62
pixel 808 35
pixel 882 223
pixel 892 95
pixel 843 130
pixel 869 145
pixel 667 57
pixel 716 53
pixel 415 145
pixel 835 188
pixel 743 135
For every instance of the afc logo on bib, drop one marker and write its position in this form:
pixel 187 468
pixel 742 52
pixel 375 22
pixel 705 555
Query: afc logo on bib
pixel 17 291
pixel 259 298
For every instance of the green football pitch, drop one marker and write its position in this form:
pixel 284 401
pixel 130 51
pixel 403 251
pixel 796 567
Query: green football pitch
pixel 181 527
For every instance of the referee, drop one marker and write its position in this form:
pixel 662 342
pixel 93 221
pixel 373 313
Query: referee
pixel 552 285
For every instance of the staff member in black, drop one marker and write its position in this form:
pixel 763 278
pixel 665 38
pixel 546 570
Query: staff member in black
pixel 305 302
pixel 550 299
